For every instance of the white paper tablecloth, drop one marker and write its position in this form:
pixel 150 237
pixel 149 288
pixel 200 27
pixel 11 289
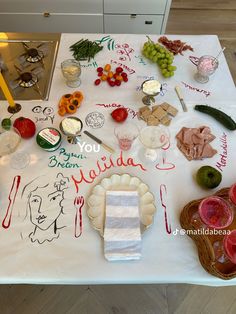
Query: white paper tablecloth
pixel 166 258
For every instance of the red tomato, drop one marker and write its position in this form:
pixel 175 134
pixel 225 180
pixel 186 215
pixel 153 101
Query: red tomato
pixel 119 114
pixel 97 82
pixel 119 70
pixel 25 126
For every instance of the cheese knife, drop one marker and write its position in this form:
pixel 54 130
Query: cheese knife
pixel 181 98
pixel 106 147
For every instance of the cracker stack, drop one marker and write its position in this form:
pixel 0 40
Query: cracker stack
pixel 160 114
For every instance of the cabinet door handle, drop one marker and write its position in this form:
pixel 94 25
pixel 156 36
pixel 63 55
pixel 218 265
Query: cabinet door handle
pixel 133 16
pixel 148 22
pixel 46 14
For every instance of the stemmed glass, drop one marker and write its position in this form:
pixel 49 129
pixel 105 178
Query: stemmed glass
pixel 153 138
pixel 149 99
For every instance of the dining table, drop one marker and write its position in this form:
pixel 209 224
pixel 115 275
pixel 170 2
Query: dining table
pixel 69 248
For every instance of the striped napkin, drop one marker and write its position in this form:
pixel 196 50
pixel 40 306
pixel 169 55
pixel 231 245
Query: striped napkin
pixel 122 237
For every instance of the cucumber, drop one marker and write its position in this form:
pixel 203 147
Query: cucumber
pixel 219 115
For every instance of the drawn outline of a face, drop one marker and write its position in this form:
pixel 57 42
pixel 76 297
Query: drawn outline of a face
pixel 44 210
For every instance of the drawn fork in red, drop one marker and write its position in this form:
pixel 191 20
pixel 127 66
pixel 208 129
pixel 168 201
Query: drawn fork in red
pixel 79 203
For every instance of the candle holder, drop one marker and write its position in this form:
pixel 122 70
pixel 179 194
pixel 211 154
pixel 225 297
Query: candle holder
pixel 14 109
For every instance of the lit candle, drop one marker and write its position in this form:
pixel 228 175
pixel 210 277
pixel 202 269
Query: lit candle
pixel 6 92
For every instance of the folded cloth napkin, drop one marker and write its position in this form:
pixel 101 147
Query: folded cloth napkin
pixel 122 237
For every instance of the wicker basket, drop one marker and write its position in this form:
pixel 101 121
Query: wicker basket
pixel 206 254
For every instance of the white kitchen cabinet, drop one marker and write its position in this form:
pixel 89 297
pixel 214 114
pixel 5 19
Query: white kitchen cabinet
pixel 55 23
pixel 134 6
pixel 136 16
pixel 52 6
pixel 70 16
pixel 138 24
pixel 84 16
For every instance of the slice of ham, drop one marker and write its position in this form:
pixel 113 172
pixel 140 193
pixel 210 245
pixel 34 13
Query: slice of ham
pixel 194 142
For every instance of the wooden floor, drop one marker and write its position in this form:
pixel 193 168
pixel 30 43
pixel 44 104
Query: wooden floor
pixel 141 299
pixel 186 17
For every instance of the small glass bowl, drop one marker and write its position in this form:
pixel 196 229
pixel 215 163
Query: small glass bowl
pixel 71 70
pixel 149 99
pixel 207 65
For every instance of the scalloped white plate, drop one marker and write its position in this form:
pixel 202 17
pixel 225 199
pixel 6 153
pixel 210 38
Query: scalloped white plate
pixel 97 200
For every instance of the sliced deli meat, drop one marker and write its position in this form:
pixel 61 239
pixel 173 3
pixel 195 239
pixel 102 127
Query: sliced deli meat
pixel 194 142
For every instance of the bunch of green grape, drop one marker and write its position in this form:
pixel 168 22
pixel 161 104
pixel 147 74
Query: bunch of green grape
pixel 160 55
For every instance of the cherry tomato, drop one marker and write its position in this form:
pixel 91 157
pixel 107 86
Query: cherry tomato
pixel 100 69
pixel 100 73
pixel 97 82
pixel 123 74
pixel 117 82
pixel 104 77
pixel 107 67
pixel 119 78
pixel 112 83
pixel 119 70
pixel 125 79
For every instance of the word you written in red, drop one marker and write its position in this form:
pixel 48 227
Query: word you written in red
pixel 102 165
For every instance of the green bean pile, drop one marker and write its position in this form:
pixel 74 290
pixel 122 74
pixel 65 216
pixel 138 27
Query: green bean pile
pixel 85 49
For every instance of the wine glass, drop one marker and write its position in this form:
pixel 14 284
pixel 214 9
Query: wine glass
pixel 71 70
pixel 153 138
pixel 9 141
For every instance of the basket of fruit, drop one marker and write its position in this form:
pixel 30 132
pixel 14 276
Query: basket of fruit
pixel 211 223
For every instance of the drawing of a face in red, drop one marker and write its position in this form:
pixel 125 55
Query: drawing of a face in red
pixel 45 209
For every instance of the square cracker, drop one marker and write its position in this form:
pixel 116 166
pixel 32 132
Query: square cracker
pixel 165 106
pixel 172 111
pixel 151 120
pixel 159 113
pixel 166 120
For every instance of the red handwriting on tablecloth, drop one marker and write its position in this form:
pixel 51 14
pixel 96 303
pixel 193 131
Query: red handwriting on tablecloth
pixel 224 153
pixel 125 51
pixel 195 89
pixel 125 67
pixel 114 105
pixel 102 165
pixel 164 164
pixel 163 191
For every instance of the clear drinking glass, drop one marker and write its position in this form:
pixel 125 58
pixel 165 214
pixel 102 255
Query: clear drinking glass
pixel 206 67
pixel 71 70
pixel 126 134
pixel 9 142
